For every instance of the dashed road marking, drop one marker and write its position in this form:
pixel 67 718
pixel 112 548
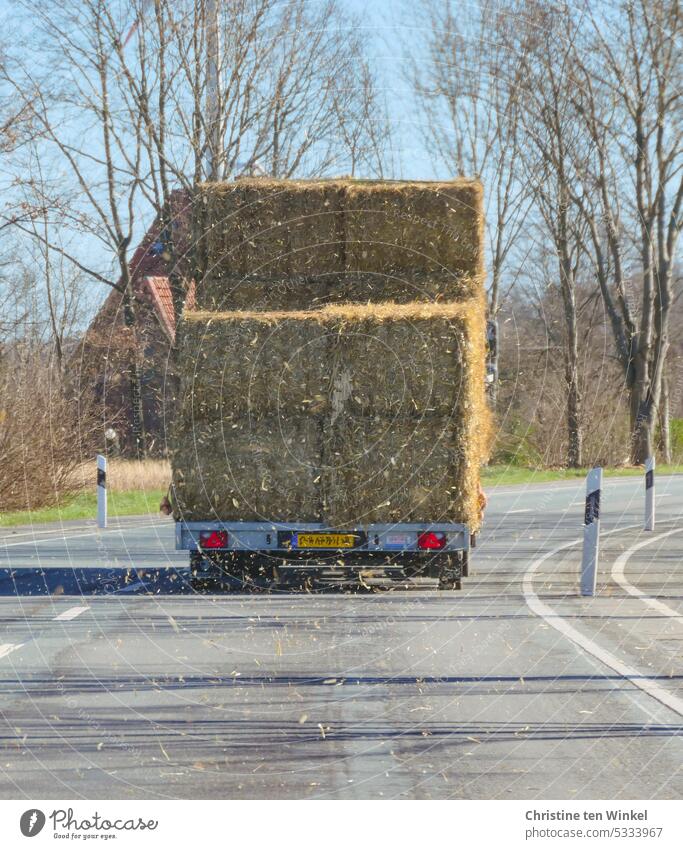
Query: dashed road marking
pixel 71 613
pixel 8 648
pixel 523 510
pixel 620 578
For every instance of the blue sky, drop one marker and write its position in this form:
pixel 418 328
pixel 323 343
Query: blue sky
pixel 392 31
pixel 389 28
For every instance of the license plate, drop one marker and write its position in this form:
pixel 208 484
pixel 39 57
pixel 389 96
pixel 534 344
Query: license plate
pixel 323 540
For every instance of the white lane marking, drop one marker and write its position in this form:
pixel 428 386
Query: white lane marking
pixel 71 613
pixel 523 510
pixel 619 576
pixel 8 648
pixel 550 617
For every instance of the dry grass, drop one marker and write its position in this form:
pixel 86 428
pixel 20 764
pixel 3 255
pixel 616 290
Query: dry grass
pixel 324 386
pixel 129 475
pixel 43 432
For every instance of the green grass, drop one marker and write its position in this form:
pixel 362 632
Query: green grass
pixel 505 475
pixel 84 506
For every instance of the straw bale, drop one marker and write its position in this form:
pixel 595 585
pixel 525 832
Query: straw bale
pixel 232 369
pixel 277 229
pixel 248 471
pixel 272 228
pixel 379 469
pixel 371 358
pixel 312 292
pixel 406 368
pixel 428 227
pixel 395 390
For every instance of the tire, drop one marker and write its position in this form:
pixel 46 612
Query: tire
pixel 450 573
pixel 465 564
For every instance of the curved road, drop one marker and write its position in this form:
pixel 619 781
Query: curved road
pixel 116 680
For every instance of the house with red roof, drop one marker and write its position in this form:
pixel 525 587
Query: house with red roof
pixel 108 345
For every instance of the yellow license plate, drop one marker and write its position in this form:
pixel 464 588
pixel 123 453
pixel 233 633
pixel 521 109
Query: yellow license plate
pixel 323 540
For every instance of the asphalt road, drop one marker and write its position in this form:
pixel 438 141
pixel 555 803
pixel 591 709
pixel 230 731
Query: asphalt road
pixel 118 680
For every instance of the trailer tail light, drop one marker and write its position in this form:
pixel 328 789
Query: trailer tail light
pixel 431 541
pixel 213 539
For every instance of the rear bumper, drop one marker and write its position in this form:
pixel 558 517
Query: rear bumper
pixel 380 541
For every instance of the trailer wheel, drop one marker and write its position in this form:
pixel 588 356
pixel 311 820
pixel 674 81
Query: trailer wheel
pixel 450 574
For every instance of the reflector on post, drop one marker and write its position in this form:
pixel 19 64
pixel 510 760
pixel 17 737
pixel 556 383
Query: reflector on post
pixel 650 494
pixel 591 533
pixel 101 491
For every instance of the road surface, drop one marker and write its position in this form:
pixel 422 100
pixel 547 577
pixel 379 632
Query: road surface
pixel 117 680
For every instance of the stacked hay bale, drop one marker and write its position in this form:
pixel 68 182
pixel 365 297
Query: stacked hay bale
pixel 345 383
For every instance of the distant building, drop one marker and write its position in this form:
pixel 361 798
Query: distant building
pixel 106 348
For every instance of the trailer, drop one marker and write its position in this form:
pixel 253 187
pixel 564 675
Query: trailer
pixel 269 554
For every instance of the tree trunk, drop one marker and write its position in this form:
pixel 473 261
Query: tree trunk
pixel 575 436
pixel 664 424
pixel 646 394
pixel 642 427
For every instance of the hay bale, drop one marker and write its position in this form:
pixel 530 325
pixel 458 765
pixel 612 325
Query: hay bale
pixel 429 227
pixel 302 293
pixel 260 369
pixel 270 230
pixel 285 364
pixel 405 368
pixel 419 466
pixel 248 471
pixel 273 228
pixel 397 388
pixel 378 469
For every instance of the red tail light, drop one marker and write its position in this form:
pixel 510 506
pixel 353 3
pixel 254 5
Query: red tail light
pixel 213 539
pixel 431 541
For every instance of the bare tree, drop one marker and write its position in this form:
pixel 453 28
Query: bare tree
pixel 123 108
pixel 553 145
pixel 630 94
pixel 296 98
pixel 467 86
pixel 75 109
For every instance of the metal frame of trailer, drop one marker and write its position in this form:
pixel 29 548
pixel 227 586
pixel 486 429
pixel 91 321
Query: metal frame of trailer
pixel 439 550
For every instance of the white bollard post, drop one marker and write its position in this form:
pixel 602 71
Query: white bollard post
pixel 591 532
pixel 650 494
pixel 101 491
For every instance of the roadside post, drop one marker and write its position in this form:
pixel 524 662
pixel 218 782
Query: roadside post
pixel 591 532
pixel 101 491
pixel 650 494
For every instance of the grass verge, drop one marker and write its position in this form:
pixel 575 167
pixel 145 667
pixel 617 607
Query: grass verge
pixel 506 475
pixel 84 506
